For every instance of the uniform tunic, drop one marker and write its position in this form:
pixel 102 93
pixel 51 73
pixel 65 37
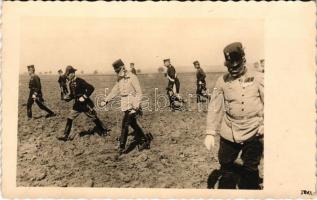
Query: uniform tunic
pixel 200 75
pixel 78 88
pixel 201 82
pixel 36 89
pixel 236 107
pixel 128 88
pixel 35 86
pixel 62 80
pixel 172 78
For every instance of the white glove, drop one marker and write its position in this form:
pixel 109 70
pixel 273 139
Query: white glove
pixel 34 96
pixel 132 111
pixel 81 99
pixel 200 82
pixel 210 142
pixel 103 103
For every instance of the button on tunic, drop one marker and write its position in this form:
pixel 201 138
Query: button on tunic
pixel 128 87
pixel 236 107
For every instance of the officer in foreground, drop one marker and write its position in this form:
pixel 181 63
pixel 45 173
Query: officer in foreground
pixel 62 81
pixel 236 114
pixel 128 88
pixel 80 92
pixel 36 94
pixel 201 90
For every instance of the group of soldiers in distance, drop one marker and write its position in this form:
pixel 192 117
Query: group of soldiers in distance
pixel 235 112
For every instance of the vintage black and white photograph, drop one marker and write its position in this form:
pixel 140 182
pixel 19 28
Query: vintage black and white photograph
pixel 149 103
pixel 156 98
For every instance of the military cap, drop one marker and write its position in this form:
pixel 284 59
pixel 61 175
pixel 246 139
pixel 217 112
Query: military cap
pixel 117 65
pixel 166 60
pixel 59 71
pixel 196 62
pixel 234 53
pixel 131 63
pixel 69 69
pixel 262 60
pixel 31 67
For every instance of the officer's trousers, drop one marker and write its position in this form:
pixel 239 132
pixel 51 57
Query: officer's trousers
pixel 40 102
pixel 130 120
pixel 248 173
pixel 92 114
pixel 171 85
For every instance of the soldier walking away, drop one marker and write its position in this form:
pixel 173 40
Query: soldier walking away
pixel 201 90
pixel 172 79
pixel 80 92
pixel 236 114
pixel 132 68
pixel 128 88
pixel 36 94
pixel 62 80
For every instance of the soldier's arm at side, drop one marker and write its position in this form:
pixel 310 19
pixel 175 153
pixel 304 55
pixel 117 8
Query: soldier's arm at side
pixel 215 115
pixel 37 82
pixel 136 84
pixel 89 89
pixel 215 109
pixel 113 93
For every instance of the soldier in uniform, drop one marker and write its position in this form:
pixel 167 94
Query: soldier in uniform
pixel 201 90
pixel 62 80
pixel 132 68
pixel 172 79
pixel 80 92
pixel 236 114
pixel 36 94
pixel 128 88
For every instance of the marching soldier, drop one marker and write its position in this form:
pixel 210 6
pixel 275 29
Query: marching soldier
pixel 172 78
pixel 132 68
pixel 36 94
pixel 80 91
pixel 236 114
pixel 128 88
pixel 62 80
pixel 201 90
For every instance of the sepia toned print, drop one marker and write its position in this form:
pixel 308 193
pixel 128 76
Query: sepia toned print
pixel 99 149
pixel 149 102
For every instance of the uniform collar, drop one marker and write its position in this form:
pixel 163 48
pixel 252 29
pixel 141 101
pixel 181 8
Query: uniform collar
pixel 125 76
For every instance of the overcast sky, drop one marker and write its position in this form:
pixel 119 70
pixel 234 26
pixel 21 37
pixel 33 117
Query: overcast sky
pixel 92 44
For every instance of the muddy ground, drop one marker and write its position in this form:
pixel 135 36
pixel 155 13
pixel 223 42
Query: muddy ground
pixel 177 158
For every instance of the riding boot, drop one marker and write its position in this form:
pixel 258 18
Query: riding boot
pixel 67 130
pixel 100 127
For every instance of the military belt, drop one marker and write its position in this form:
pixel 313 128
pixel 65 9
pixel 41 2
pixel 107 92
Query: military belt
pixel 243 117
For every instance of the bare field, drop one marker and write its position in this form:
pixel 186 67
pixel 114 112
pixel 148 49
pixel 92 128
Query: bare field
pixel 177 158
